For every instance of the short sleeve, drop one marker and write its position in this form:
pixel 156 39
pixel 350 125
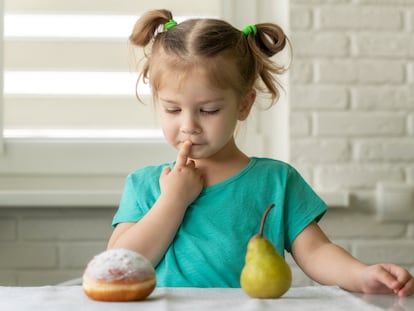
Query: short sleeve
pixel 128 210
pixel 140 192
pixel 302 206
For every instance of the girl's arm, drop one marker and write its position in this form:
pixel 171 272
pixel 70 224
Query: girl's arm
pixel 330 264
pixel 152 235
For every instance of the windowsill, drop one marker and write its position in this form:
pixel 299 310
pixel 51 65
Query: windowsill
pixel 73 172
pixel 106 160
pixel 80 156
pixel 59 198
pixel 93 198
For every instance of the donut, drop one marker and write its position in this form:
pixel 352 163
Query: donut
pixel 118 275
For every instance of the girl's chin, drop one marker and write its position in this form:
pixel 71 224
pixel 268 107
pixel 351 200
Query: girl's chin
pixel 197 153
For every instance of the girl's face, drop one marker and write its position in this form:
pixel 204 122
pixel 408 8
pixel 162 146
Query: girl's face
pixel 192 109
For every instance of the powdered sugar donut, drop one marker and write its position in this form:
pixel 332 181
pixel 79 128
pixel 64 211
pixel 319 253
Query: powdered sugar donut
pixel 118 275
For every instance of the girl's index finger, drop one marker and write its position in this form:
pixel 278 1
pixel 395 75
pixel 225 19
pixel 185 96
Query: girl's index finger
pixel 183 154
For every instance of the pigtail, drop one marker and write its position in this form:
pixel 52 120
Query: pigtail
pixel 268 40
pixel 148 26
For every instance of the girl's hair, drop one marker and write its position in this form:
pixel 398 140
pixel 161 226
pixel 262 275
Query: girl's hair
pixel 232 58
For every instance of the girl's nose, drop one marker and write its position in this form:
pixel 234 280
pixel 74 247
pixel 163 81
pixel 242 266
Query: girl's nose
pixel 190 126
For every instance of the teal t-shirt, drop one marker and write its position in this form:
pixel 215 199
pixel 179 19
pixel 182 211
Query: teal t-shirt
pixel 210 245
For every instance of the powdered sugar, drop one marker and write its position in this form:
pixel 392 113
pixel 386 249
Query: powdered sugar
pixel 120 264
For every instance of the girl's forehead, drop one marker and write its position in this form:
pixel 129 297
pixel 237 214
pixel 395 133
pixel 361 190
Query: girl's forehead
pixel 194 84
pixel 182 77
pixel 213 73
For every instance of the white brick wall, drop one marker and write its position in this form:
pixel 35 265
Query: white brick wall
pixel 352 93
pixel 352 115
pixel 357 16
pixel 41 246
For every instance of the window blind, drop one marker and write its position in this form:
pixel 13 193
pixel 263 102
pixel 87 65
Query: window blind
pixel 69 71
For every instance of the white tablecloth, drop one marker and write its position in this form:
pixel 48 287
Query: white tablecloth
pixel 318 298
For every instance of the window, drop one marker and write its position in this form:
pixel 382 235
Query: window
pixel 72 127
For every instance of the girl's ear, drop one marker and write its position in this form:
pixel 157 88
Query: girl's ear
pixel 246 104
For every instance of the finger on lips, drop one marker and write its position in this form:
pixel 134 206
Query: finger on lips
pixel 183 154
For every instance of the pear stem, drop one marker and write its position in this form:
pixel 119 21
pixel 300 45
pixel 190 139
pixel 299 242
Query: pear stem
pixel 264 218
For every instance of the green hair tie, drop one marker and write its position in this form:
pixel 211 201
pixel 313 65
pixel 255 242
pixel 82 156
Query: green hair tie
pixel 249 29
pixel 170 24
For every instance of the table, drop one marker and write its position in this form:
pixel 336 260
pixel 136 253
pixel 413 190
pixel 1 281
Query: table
pixel 318 298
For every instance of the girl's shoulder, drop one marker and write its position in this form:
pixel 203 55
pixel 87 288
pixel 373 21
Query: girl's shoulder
pixel 272 168
pixel 272 164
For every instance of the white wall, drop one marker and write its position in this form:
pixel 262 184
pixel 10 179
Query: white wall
pixel 352 119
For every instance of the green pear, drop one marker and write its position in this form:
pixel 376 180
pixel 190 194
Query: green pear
pixel 265 273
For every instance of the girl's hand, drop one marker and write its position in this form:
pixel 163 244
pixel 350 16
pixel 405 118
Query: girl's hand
pixel 387 278
pixel 184 182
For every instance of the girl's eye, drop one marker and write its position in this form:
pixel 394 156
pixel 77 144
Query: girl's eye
pixel 210 111
pixel 172 110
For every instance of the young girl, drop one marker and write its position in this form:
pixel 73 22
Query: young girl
pixel 194 217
